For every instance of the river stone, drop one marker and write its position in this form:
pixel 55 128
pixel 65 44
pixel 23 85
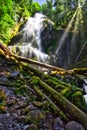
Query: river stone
pixel 58 124
pixel 36 115
pixel 74 126
pixel 14 74
pixel 32 127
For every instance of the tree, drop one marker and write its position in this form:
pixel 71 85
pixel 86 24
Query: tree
pixel 7 21
pixel 47 8
pixel 35 7
pixel 10 13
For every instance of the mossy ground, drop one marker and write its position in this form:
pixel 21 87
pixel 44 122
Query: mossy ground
pixel 18 96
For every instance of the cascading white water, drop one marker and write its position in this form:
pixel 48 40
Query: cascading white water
pixel 85 87
pixel 30 45
pixel 33 29
pixel 31 38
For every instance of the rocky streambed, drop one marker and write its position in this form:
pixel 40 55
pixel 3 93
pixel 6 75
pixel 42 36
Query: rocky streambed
pixel 21 106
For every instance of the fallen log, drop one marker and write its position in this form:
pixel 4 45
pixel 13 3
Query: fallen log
pixel 81 71
pixel 65 105
pixel 55 108
pixel 62 71
pixel 45 76
pixel 27 60
pixel 50 80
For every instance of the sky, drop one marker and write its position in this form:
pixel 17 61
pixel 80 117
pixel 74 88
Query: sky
pixel 40 1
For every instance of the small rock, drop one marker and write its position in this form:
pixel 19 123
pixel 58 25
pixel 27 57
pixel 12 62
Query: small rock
pixel 74 126
pixel 32 127
pixel 38 103
pixel 32 107
pixel 36 115
pixel 3 78
pixel 43 124
pixel 58 124
pixel 26 127
pixel 22 119
pixel 14 74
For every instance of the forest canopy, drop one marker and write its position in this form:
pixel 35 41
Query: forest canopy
pixel 43 64
pixel 60 12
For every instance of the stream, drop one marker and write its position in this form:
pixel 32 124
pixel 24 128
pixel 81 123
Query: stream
pixel 85 88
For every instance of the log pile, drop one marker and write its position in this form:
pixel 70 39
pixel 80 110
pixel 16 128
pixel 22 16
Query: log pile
pixel 40 83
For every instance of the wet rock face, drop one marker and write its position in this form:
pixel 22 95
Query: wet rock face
pixel 74 126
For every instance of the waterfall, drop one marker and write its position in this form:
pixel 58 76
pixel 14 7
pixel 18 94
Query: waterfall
pixel 30 45
pixel 85 87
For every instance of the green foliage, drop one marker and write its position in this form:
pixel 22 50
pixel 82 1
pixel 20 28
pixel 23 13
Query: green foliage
pixel 6 22
pixel 66 92
pixel 78 100
pixel 75 96
pixel 47 8
pixel 59 11
pixel 11 11
pixel 35 7
pixel 35 80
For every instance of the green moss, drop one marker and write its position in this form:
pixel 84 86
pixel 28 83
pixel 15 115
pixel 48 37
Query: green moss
pixel 51 82
pixel 66 92
pixel 78 99
pixel 22 90
pixel 58 86
pixel 2 101
pixel 59 82
pixel 26 73
pixel 75 96
pixel 34 80
pixel 35 117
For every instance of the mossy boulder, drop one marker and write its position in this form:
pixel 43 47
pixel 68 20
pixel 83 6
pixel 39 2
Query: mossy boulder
pixel 75 96
pixel 78 99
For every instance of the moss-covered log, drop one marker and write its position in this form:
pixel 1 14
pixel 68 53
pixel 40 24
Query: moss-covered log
pixel 81 71
pixel 47 78
pixel 58 70
pixel 69 108
pixel 27 60
pixel 55 84
pixel 52 105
